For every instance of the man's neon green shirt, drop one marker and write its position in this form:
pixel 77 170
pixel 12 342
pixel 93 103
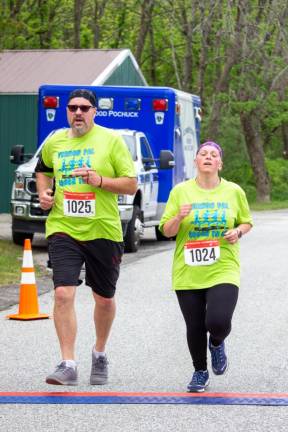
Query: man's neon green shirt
pixel 102 150
pixel 213 212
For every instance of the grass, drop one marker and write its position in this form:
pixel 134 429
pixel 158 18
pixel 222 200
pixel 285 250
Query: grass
pixel 274 205
pixel 11 257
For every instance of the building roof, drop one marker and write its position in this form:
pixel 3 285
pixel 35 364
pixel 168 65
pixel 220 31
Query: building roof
pixel 24 71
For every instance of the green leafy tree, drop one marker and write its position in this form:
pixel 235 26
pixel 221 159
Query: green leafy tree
pixel 233 53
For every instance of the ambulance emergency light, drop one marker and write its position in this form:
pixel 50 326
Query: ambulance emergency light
pixel 50 101
pixel 132 104
pixel 160 104
pixel 105 103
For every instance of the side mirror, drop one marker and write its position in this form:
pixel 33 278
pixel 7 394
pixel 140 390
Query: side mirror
pixel 148 163
pixel 166 160
pixel 17 154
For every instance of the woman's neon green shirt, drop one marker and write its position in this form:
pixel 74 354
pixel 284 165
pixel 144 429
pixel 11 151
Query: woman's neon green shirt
pixel 213 212
pixel 103 151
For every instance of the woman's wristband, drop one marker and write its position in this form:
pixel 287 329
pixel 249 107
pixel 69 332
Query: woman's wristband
pixel 100 184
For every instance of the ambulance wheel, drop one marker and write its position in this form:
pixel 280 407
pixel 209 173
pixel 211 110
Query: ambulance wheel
pixel 134 231
pixel 160 236
pixel 19 237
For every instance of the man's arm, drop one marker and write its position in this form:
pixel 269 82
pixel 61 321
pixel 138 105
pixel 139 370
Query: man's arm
pixel 118 185
pixel 45 190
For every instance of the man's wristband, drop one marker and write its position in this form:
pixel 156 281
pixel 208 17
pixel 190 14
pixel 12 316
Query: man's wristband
pixel 100 184
pixel 239 233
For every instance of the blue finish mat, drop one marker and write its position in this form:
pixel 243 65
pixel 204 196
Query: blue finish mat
pixel 263 399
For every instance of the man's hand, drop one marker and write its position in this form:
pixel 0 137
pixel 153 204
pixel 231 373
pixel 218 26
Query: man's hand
pixel 46 199
pixel 88 175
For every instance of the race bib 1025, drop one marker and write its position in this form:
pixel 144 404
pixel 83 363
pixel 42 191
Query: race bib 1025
pixel 79 204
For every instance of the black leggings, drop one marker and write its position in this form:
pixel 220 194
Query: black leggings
pixel 207 310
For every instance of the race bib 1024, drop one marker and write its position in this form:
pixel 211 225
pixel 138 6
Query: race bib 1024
pixel 197 253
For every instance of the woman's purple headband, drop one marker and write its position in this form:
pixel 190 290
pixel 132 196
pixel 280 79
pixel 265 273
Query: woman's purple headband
pixel 213 144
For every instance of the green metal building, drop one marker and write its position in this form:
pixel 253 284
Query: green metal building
pixel 22 73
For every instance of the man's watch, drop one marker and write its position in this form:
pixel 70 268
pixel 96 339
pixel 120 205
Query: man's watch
pixel 239 233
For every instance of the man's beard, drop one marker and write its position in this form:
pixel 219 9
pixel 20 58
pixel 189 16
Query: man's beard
pixel 79 129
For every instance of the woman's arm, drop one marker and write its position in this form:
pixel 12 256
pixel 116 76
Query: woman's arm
pixel 171 227
pixel 234 234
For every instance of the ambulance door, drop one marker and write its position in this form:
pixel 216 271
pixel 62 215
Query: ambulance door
pixel 151 181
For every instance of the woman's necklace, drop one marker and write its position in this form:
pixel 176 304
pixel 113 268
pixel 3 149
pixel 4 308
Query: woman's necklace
pixel 208 185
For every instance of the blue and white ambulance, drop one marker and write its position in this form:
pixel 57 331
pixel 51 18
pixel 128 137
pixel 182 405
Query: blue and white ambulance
pixel 153 121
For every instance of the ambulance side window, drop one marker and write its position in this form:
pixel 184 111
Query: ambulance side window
pixel 131 144
pixel 147 156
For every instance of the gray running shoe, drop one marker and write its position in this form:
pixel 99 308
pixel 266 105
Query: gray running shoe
pixel 99 370
pixel 63 375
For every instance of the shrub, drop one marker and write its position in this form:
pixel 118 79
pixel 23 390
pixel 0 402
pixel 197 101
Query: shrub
pixel 278 171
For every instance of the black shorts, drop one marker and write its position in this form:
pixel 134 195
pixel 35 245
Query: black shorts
pixel 102 260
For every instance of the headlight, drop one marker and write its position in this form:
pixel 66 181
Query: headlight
pixel 19 194
pixel 19 180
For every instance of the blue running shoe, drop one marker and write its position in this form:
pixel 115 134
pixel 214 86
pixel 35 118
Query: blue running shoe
pixel 199 381
pixel 218 358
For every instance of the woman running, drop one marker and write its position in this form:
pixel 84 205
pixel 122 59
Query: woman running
pixel 209 215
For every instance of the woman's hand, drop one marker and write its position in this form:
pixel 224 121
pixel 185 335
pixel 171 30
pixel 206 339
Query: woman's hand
pixel 184 211
pixel 171 227
pixel 232 235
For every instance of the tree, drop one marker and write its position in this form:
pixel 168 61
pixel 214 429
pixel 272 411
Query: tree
pixel 231 47
pixel 234 53
pixel 99 9
pixel 145 23
pixel 260 64
pixel 78 11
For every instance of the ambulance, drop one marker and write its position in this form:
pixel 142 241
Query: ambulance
pixel 161 127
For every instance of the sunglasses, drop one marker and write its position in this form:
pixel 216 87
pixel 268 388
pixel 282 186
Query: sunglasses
pixel 83 108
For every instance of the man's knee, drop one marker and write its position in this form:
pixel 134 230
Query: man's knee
pixel 104 303
pixel 64 295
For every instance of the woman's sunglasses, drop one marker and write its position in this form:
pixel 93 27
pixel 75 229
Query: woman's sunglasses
pixel 83 108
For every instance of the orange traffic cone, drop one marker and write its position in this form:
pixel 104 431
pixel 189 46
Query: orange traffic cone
pixel 28 302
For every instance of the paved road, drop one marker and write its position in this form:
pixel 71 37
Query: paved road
pixel 147 349
pixel 149 245
pixel 9 295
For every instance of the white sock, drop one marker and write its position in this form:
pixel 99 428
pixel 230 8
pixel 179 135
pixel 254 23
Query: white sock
pixel 70 363
pixel 98 353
